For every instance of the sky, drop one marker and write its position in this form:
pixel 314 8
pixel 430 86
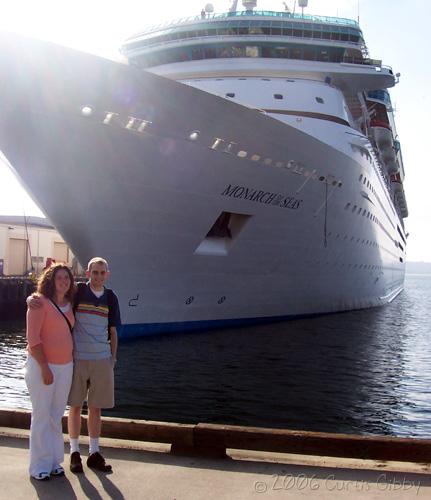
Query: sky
pixel 395 32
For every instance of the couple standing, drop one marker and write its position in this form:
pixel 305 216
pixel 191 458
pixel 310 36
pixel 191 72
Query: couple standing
pixel 72 347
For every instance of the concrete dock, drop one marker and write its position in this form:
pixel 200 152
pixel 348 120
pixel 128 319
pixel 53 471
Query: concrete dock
pixel 144 470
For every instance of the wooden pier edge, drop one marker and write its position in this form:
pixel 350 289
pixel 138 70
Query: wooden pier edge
pixel 214 439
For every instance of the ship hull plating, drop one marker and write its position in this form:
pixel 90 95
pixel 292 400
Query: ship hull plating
pixel 138 169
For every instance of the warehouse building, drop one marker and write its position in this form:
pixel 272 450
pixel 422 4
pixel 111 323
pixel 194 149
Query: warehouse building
pixel 29 244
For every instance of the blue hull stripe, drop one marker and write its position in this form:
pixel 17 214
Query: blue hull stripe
pixel 143 329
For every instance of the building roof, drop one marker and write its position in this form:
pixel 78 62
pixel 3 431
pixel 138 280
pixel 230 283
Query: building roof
pixel 20 220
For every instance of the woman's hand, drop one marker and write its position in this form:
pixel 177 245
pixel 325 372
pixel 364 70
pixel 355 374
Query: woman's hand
pixel 47 375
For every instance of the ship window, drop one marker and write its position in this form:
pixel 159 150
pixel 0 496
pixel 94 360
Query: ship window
pixel 224 231
pixel 309 54
pixel 230 94
pixel 222 31
pixel 278 96
pixel 320 100
pixel 344 37
pixel 210 53
pixel 354 208
pixel 197 54
pixel 281 52
pixel 359 211
pixel 323 55
pixel 251 51
pixel 296 54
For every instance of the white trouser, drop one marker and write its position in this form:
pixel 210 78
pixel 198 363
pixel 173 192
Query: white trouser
pixel 48 405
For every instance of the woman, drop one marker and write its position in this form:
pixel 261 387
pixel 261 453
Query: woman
pixel 49 369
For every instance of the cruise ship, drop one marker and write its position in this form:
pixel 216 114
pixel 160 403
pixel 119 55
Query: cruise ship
pixel 236 168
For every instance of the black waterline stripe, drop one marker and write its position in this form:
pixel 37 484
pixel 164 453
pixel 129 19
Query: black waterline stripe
pixel 308 114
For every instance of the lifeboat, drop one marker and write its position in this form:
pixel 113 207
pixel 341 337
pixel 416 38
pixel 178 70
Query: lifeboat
pixel 399 194
pixel 396 183
pixel 392 165
pixel 382 135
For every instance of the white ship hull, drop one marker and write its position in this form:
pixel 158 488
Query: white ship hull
pixel 144 194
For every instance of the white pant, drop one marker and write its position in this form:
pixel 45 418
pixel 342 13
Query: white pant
pixel 48 405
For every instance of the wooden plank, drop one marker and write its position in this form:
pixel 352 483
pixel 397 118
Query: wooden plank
pixel 313 443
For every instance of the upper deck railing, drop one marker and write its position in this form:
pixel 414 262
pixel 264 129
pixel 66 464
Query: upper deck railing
pixel 245 13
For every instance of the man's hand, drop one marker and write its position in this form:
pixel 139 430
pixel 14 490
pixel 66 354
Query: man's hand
pixel 47 375
pixel 34 301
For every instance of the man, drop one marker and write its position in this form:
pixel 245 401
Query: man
pixel 97 316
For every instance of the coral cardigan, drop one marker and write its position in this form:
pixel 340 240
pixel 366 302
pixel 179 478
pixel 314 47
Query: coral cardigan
pixel 47 326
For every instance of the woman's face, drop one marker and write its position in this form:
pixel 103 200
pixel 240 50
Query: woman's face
pixel 62 281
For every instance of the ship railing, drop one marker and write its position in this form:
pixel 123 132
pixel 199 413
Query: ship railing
pixel 255 36
pixel 258 13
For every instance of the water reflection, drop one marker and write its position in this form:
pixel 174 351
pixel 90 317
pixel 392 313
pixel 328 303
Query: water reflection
pixel 13 391
pixel 359 372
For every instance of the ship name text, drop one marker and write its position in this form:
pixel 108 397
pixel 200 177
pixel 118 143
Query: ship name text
pixel 260 196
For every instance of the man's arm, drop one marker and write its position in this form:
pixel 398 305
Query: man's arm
pixel 114 341
pixel 34 301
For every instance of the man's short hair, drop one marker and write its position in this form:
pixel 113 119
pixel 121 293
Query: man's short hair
pixel 97 260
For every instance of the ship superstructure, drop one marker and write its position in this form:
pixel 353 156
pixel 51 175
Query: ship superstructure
pixel 247 164
pixel 276 62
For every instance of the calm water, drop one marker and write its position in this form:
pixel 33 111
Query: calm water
pixel 365 372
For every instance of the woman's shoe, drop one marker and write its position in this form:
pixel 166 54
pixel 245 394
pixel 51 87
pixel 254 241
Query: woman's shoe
pixel 57 471
pixel 42 476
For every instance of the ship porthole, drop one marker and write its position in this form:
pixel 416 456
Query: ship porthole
pixel 87 110
pixel 194 135
pixel 221 300
pixel 190 300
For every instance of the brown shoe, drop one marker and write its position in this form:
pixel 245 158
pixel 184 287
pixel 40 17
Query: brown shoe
pixel 75 462
pixel 97 462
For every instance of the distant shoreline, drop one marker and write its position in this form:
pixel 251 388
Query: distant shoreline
pixel 418 267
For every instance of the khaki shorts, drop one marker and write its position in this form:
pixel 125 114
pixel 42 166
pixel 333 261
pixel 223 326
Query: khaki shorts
pixel 93 381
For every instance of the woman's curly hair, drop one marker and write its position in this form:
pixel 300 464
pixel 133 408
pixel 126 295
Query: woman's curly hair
pixel 46 282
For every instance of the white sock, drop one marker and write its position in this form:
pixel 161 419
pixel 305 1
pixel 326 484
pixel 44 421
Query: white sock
pixel 94 445
pixel 74 445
